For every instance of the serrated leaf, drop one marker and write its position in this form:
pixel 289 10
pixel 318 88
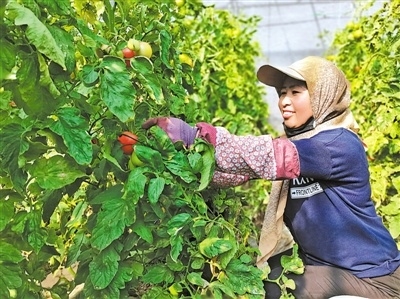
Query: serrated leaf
pixel 30 95
pixel 211 247
pixel 196 279
pixel 156 187
pixel 7 58
pixel 176 246
pixel 6 212
pixel 35 234
pixel 243 279
pixel 148 78
pixel 179 165
pixel 135 185
pixel 36 32
pixel 177 222
pixel 165 45
pixel 50 199
pixel 143 231
pixel 11 147
pixel 104 267
pixel 157 274
pixel 112 219
pixel 55 172
pixel 116 89
pixel 89 75
pixel 150 157
pixel 10 278
pixel 138 269
pixel 72 127
pixel 224 288
pixel 9 254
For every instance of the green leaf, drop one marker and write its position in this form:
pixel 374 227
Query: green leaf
pixel 243 279
pixel 156 186
pixel 89 74
pixel 66 43
pixel 36 99
pixel 72 127
pixel 55 172
pixel 165 42
pixel 177 222
pixel 157 274
pixel 114 216
pixel 12 146
pixel 6 212
pixel 143 230
pixel 113 193
pixel 116 89
pixel 7 58
pixel 9 254
pixel 224 288
pixel 157 292
pixel 123 275
pixel 196 279
pixel 148 78
pixel 10 278
pixel 211 247
pixel 292 263
pixel 35 234
pixel 179 165
pixel 176 246
pixel 162 143
pixel 135 185
pixel 150 157
pixel 36 32
pixel 138 269
pixel 208 162
pixel 104 267
pixel 51 199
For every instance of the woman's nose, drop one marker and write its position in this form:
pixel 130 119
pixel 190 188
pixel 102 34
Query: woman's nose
pixel 285 100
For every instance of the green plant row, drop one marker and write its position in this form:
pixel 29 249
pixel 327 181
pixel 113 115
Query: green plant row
pixel 368 51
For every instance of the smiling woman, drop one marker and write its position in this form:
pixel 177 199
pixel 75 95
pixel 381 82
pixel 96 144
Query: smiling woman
pixel 294 103
pixel 321 185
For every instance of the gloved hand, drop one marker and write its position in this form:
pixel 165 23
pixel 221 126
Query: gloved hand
pixel 176 129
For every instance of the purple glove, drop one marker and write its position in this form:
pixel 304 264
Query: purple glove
pixel 176 129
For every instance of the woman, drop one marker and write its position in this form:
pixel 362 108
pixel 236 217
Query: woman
pixel 321 188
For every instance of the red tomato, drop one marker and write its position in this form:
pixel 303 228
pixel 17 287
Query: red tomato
pixel 127 149
pixel 128 53
pixel 127 140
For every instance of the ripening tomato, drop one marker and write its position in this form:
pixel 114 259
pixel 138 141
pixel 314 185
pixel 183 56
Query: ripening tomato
pixel 145 49
pixel 127 140
pixel 128 53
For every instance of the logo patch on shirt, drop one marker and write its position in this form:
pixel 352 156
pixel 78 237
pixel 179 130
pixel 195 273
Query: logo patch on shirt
pixel 304 188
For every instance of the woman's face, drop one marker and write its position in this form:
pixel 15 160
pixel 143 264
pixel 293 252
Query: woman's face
pixel 294 103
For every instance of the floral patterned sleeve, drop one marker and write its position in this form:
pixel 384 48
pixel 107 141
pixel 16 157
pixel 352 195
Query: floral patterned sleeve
pixel 240 158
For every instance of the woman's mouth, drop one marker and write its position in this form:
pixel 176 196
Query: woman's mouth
pixel 287 114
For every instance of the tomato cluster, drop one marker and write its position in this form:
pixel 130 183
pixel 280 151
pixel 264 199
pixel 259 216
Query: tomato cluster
pixel 136 48
pixel 128 140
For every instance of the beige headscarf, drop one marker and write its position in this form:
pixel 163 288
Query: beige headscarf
pixel 330 100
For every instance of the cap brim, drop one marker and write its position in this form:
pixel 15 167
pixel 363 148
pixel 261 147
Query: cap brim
pixel 275 76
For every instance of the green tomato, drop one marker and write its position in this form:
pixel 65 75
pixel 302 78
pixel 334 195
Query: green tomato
pixel 145 50
pixel 134 160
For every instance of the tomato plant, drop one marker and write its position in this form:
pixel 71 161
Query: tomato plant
pixel 68 199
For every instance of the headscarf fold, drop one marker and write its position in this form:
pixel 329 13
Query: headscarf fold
pixel 330 100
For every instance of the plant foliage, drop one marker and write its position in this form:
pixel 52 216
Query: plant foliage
pixel 68 200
